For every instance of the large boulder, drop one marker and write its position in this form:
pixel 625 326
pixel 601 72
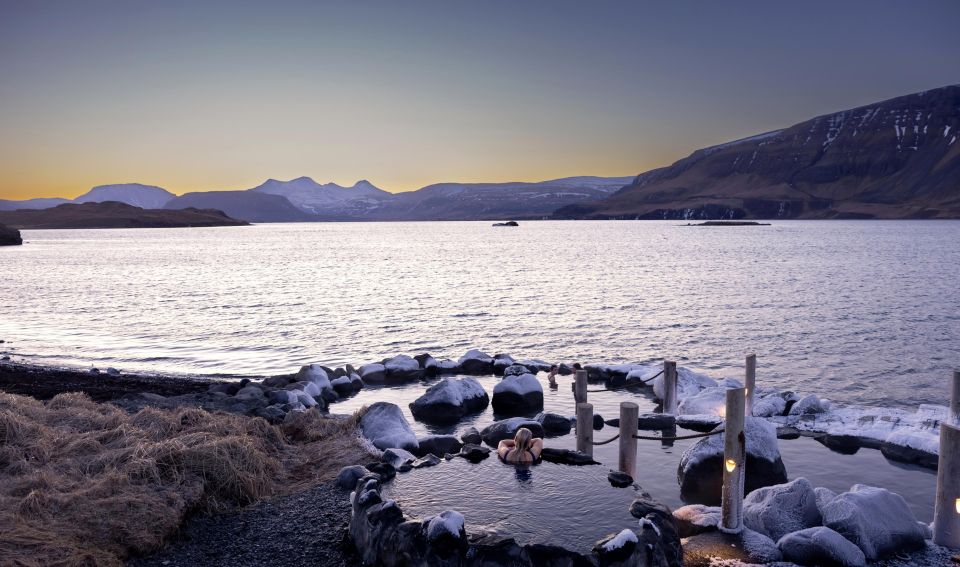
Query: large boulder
pixel 516 370
pixel 9 236
pixel 696 519
pixel 700 469
pixel 476 362
pixel 554 424
pixel 878 521
pixel 516 395
pixel 402 368
pixel 778 510
pixel 689 383
pixel 349 475
pixel 507 429
pixel 820 546
pixel 449 400
pixel 385 426
pixel 809 405
pixel 428 364
pixel 346 385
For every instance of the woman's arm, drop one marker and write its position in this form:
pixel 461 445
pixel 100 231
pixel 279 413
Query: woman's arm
pixel 537 446
pixel 504 447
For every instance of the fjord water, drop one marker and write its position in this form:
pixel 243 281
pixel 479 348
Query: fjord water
pixel 860 311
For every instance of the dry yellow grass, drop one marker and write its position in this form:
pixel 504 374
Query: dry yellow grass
pixel 83 483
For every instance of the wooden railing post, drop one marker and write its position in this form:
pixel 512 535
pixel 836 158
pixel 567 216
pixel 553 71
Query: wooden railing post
pixel 580 387
pixel 946 514
pixel 670 387
pixel 629 414
pixel 585 428
pixel 734 461
pixel 955 398
pixel 750 381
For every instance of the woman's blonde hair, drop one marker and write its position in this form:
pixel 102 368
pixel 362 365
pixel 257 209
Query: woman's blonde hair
pixel 523 439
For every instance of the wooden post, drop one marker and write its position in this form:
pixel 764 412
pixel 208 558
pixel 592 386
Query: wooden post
pixel 955 398
pixel 734 461
pixel 629 413
pixel 580 387
pixel 585 428
pixel 946 515
pixel 670 387
pixel 750 381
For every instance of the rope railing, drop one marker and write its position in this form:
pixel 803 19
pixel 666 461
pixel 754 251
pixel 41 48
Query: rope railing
pixel 676 437
pixel 611 440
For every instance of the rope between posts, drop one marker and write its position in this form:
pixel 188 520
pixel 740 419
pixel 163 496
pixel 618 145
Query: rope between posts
pixel 611 440
pixel 676 437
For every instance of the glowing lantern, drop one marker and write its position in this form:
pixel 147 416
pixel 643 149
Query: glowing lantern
pixel 958 505
pixel 731 464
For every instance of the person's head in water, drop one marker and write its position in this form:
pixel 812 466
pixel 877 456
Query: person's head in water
pixel 523 439
pixel 576 366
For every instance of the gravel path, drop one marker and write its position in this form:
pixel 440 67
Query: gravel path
pixel 306 528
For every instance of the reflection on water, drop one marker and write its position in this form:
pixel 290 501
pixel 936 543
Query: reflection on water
pixel 859 311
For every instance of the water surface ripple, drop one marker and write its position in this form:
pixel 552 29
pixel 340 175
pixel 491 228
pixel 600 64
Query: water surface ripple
pixel 858 311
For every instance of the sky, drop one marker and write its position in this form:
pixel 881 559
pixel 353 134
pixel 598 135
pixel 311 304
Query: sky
pixel 210 95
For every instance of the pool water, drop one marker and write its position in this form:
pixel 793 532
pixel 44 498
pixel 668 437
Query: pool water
pixel 567 505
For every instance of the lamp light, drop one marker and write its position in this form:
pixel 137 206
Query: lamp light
pixel 731 464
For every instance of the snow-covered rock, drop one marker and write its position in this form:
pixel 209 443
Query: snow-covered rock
pixel 448 366
pixel 767 406
pixel 476 362
pixel 345 385
pixel 373 373
pixel 709 401
pixel 446 524
pixel 517 395
pixel 449 400
pixel 385 426
pixel 809 404
pixel 316 374
pixel 507 429
pixel 878 521
pixel 621 539
pixel 700 470
pixel 689 383
pixel 820 546
pixel 501 362
pixel 780 509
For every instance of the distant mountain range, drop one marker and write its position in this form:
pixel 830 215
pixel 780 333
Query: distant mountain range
pixel 304 200
pixel 893 159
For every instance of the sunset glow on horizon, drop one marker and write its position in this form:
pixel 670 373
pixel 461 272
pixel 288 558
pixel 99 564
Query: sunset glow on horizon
pixel 224 95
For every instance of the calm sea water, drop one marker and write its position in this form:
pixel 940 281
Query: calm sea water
pixel 858 311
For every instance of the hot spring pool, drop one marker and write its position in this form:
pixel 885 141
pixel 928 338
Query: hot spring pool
pixel 576 506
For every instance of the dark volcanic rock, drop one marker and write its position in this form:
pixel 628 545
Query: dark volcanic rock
pixel 471 436
pixel 619 479
pixel 507 429
pixel 518 395
pixel 554 424
pixel 9 236
pixel 439 445
pixel 566 457
pixel 474 453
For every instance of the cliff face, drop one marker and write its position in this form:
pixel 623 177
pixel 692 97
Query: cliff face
pixel 9 236
pixel 894 159
pixel 112 214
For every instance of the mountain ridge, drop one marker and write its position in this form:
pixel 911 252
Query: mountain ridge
pixel 896 158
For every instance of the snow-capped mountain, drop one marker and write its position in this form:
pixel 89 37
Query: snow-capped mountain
pixel 327 198
pixel 136 194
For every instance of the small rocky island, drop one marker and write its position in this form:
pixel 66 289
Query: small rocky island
pixel 508 223
pixel 113 214
pixel 9 236
pixel 730 223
